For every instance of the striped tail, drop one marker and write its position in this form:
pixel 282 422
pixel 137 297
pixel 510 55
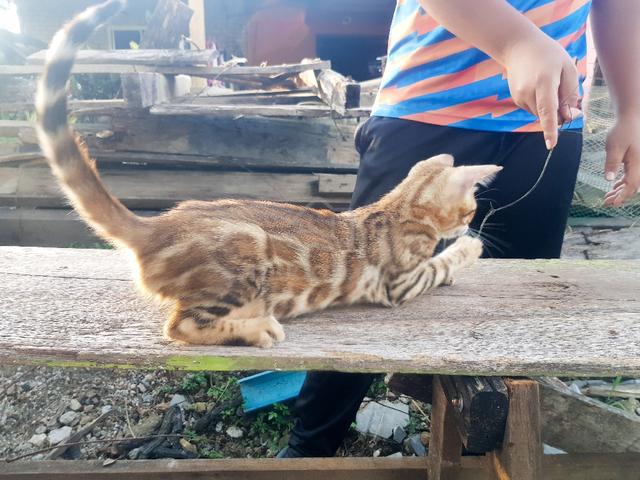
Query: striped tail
pixel 66 154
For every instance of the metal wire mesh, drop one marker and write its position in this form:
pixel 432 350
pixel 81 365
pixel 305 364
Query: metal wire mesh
pixel 591 187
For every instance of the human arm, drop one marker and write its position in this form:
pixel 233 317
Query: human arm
pixel 542 78
pixel 617 38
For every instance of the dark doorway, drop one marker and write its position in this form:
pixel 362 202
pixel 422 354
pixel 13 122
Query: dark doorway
pixel 351 55
pixel 122 38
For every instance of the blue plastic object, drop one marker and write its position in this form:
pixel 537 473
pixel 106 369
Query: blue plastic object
pixel 270 387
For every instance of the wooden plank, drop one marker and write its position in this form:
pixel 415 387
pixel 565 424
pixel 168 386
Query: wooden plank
pixel 198 71
pixel 520 457
pixel 556 467
pixel 156 189
pixel 314 143
pixel 565 318
pixel 311 111
pixel 578 424
pixel 331 184
pixel 141 90
pixel 337 91
pixel 77 106
pixel 445 446
pixel 47 227
pixel 238 469
pixel 150 57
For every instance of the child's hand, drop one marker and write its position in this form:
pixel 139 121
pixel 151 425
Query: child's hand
pixel 544 81
pixel 623 147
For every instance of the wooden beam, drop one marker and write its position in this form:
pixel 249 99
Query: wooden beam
pixel 520 457
pixel 456 331
pixel 578 424
pixel 480 406
pixel 338 92
pixel 556 467
pixel 308 111
pixel 332 184
pixel 198 36
pixel 155 190
pixel 445 446
pixel 202 71
pixel 154 57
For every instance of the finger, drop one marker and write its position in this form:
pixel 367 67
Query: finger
pixel 547 112
pixel 615 155
pixel 568 91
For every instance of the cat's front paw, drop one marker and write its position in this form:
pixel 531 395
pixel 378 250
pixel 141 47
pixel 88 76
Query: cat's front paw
pixel 470 247
pixel 265 332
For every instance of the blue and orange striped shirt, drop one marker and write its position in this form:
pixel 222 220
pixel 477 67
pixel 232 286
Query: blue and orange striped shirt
pixel 434 77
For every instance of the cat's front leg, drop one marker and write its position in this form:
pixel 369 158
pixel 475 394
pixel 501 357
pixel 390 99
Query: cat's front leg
pixel 434 272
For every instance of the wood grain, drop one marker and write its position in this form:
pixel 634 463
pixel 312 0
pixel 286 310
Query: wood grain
pixel 520 457
pixel 546 318
pixel 445 445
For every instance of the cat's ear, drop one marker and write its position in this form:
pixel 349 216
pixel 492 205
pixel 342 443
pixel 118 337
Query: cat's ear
pixel 465 178
pixel 444 159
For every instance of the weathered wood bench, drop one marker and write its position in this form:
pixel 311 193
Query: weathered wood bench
pixel 77 308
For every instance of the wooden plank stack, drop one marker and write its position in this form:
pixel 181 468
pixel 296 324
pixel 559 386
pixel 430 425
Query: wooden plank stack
pixel 273 133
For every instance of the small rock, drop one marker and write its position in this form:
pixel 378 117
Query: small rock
pixel 11 390
pixel 59 435
pixel 377 453
pixel 200 406
pixel 110 461
pixel 392 396
pixel 415 444
pixel 395 455
pixel 235 432
pixel 106 409
pixel 38 440
pixel 41 429
pixel 399 434
pixel 178 399
pixel 219 427
pixel 148 425
pixel 133 386
pixel 142 388
pixel 189 447
pixel 382 418
pixel 89 408
pixel 85 419
pixel 52 423
pixel 147 398
pixel 75 405
pixel 69 418
pixel 638 411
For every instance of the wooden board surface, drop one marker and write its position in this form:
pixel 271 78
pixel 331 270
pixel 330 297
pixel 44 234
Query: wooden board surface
pixel 78 307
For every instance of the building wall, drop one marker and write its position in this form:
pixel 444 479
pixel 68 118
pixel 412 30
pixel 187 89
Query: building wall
pixel 42 19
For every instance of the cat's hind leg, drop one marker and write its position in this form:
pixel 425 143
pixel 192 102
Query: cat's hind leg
pixel 207 327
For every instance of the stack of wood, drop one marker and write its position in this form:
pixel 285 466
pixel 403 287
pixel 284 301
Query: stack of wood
pixel 282 133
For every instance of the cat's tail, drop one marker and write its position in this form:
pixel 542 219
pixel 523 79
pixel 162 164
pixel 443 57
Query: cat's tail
pixel 66 154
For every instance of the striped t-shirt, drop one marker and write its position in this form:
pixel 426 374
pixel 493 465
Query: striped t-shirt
pixel 434 77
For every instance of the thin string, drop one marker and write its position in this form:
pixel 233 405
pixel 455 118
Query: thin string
pixel 493 210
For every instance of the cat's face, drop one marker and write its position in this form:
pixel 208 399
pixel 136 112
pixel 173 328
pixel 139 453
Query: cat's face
pixel 446 194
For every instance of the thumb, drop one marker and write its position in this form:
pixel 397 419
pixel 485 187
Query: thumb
pixel 615 155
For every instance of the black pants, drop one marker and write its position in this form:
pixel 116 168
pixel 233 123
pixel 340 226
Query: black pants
pixel 534 228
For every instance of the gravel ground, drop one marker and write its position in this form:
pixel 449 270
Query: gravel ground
pixel 40 405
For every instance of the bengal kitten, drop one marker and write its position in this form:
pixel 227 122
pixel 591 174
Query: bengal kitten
pixel 231 268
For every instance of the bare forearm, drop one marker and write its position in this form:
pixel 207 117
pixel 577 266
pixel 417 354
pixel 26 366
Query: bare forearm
pixel 617 38
pixel 493 26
